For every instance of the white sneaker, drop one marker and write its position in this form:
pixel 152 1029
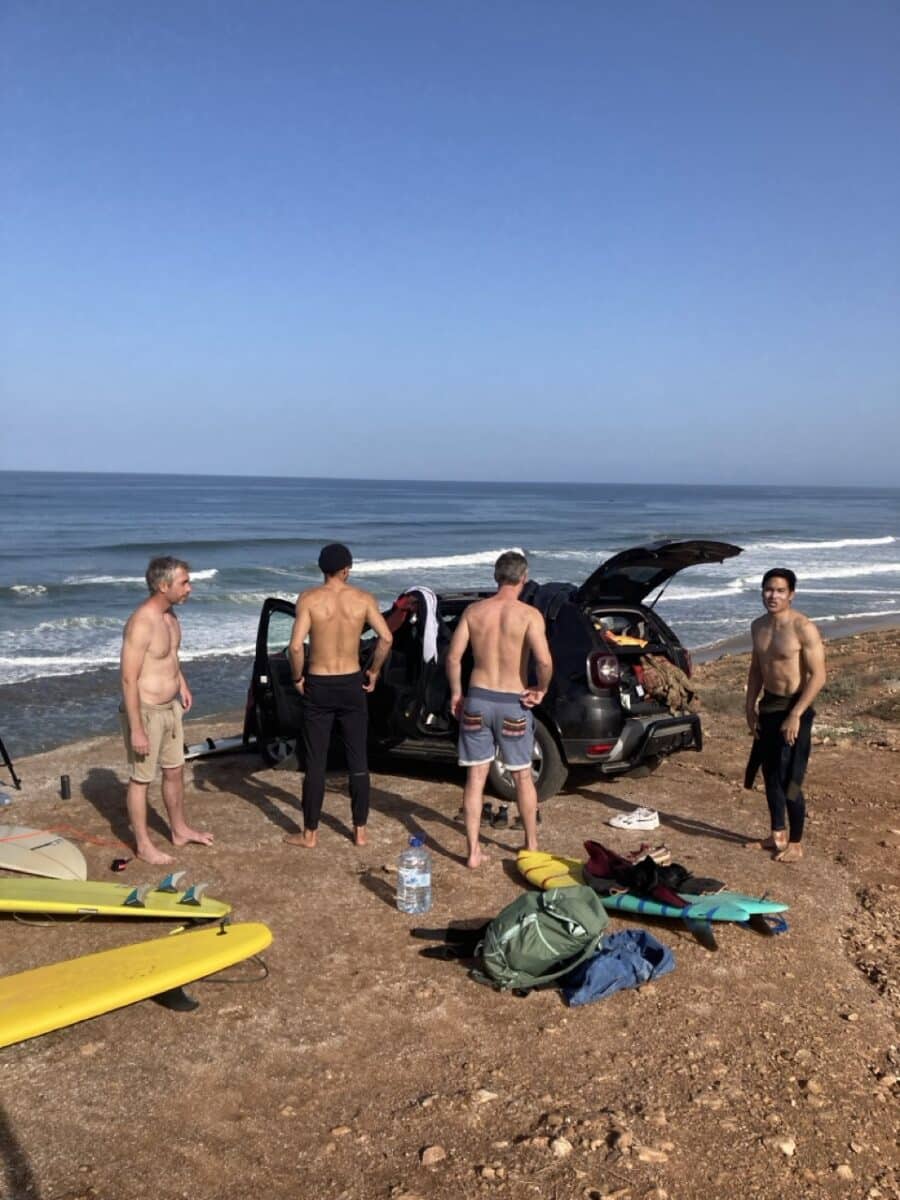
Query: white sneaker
pixel 640 818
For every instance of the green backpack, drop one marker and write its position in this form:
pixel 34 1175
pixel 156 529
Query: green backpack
pixel 541 937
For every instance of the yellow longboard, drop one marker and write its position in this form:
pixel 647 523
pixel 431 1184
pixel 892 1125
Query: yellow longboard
pixel 72 897
pixel 549 870
pixel 46 998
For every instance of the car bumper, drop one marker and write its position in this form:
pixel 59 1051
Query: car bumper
pixel 641 738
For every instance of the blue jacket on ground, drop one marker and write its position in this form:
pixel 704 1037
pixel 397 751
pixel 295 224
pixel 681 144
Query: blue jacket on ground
pixel 624 960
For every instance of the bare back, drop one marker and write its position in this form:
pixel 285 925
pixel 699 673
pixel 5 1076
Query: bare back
pixel 781 651
pixel 501 632
pixel 150 650
pixel 334 617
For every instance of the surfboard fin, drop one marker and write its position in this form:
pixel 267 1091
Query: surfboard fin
pixel 171 881
pixel 194 894
pixel 702 931
pixel 767 924
pixel 137 896
pixel 177 1000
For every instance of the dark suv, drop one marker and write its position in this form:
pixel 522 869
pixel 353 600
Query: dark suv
pixel 596 712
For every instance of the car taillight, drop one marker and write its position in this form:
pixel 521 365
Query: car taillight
pixel 688 664
pixel 603 670
pixel 599 748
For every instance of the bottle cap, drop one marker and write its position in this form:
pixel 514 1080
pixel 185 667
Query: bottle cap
pixel 417 840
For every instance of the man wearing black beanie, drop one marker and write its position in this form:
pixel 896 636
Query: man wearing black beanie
pixel 333 617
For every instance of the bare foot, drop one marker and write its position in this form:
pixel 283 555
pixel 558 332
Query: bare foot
pixel 187 836
pixel 156 858
pixel 307 840
pixel 774 843
pixel 792 853
pixel 359 836
pixel 476 859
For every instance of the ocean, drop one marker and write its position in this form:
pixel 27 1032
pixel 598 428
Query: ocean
pixel 74 548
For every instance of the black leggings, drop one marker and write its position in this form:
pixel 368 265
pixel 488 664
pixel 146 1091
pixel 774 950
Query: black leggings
pixel 328 698
pixel 783 769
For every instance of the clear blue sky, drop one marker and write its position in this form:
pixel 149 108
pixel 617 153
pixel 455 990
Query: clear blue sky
pixel 573 240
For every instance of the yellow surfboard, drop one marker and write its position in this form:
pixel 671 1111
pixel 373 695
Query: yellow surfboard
pixel 70 896
pixel 549 870
pixel 52 997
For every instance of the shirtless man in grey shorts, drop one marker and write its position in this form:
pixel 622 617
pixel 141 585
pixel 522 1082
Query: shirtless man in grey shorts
pixel 496 712
pixel 155 695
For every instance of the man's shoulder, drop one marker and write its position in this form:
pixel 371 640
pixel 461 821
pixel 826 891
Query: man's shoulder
pixel 805 626
pixel 144 614
pixel 310 594
pixel 759 623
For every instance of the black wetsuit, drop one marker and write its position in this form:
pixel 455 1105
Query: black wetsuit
pixel 327 698
pixel 783 766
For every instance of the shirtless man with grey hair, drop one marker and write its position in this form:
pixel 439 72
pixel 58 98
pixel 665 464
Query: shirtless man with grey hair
pixel 788 666
pixel 155 694
pixel 496 713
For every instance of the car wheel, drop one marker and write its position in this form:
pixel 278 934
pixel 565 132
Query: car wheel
pixel 273 748
pixel 547 768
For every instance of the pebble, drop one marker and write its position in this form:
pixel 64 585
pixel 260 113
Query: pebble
pixel 813 1087
pixel 787 1146
pixel 647 1154
pixel 340 1131
pixel 850 1016
pixel 431 1155
pixel 483 1096
pixel 561 1147
pixel 555 1120
pixel 844 1171
pixel 287 1110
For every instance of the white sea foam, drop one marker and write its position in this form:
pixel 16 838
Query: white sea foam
pixel 827 572
pixel 70 623
pixel 256 598
pixel 79 580
pixel 734 587
pixel 29 589
pixel 441 562
pixel 849 592
pixel 839 544
pixel 853 616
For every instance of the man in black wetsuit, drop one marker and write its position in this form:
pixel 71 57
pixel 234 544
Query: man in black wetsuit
pixel 333 687
pixel 788 665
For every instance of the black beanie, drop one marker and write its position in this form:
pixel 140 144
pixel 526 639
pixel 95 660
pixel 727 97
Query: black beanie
pixel 334 557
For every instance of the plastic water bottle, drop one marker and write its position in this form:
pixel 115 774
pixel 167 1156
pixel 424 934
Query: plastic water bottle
pixel 414 877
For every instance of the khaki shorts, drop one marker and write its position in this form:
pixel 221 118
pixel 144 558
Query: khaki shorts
pixel 165 733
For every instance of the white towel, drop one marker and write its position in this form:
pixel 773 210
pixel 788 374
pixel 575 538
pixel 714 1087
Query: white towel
pixel 430 632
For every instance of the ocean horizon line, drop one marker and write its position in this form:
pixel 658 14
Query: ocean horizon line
pixel 792 488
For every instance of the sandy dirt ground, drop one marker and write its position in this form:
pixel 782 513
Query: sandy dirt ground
pixel 358 1069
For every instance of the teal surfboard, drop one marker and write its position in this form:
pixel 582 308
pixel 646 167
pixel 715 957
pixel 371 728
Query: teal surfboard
pixel 723 906
pixel 553 870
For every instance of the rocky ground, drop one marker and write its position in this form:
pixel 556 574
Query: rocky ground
pixel 358 1069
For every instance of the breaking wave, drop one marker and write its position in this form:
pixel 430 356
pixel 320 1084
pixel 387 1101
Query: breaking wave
pixel 439 562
